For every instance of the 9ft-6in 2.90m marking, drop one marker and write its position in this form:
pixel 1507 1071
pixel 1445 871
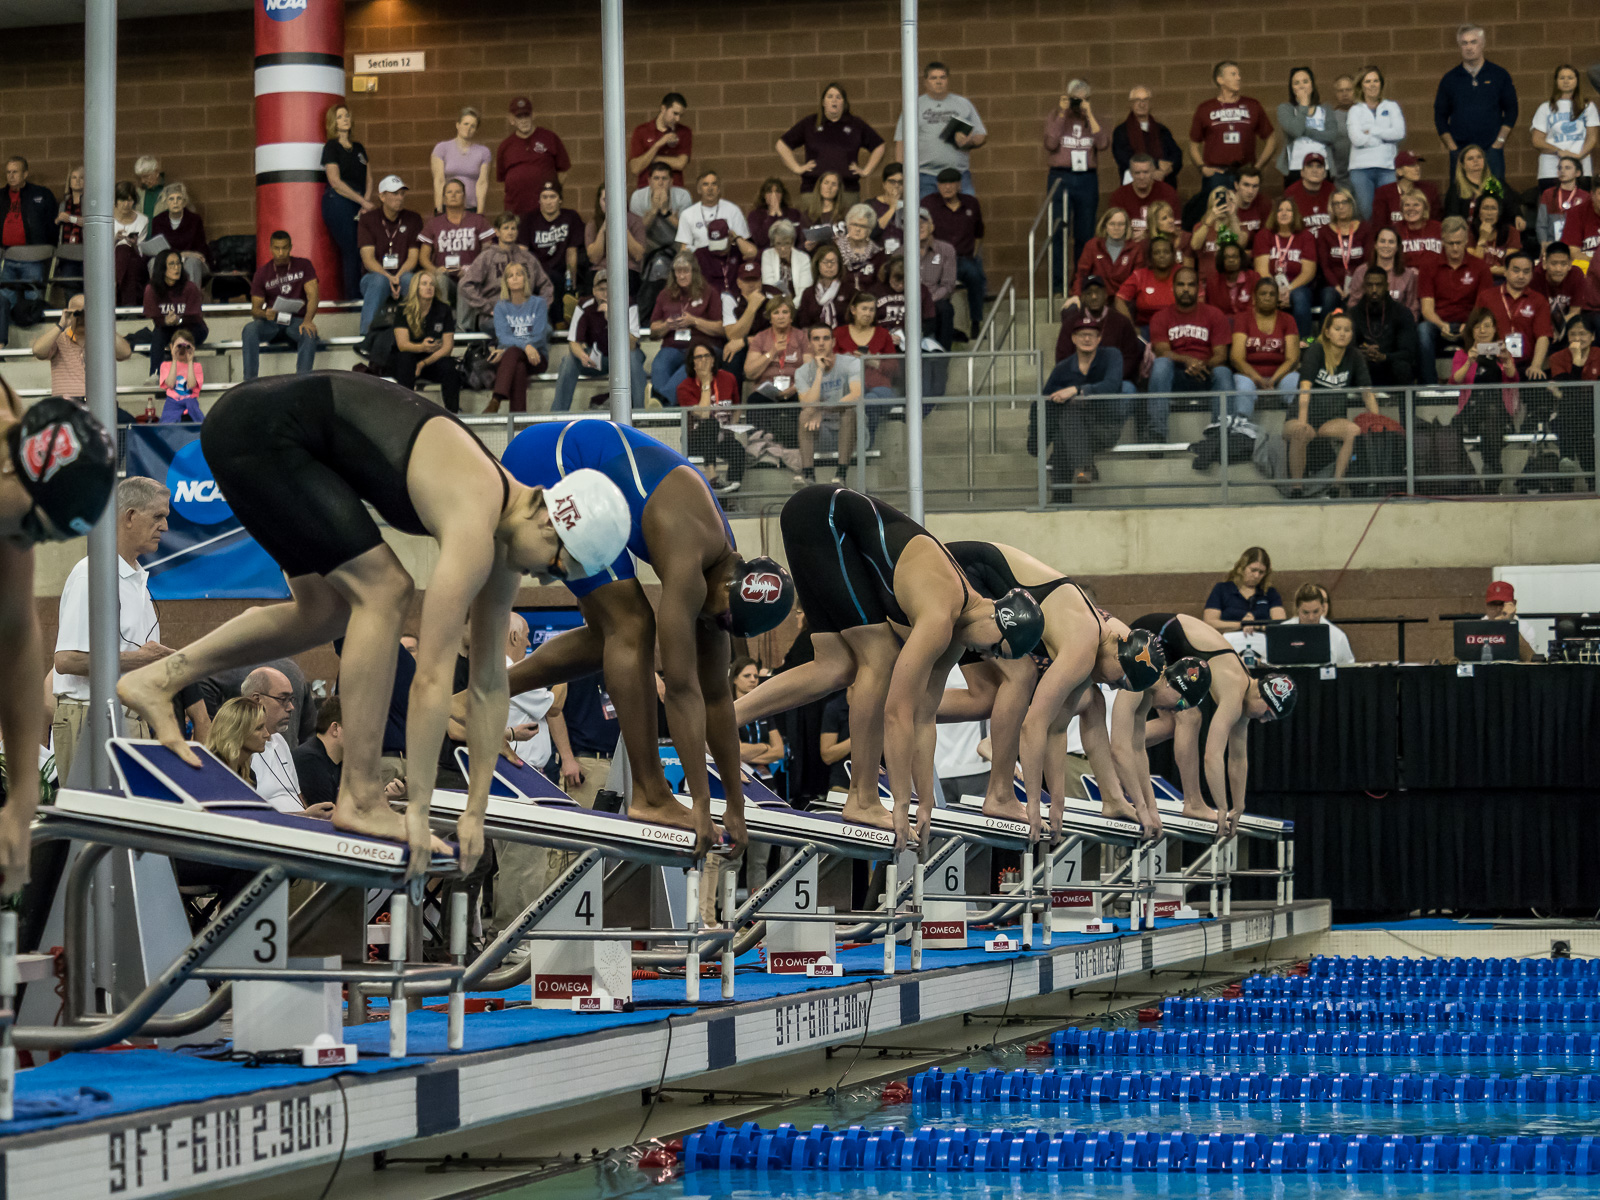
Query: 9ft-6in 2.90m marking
pixel 223 1142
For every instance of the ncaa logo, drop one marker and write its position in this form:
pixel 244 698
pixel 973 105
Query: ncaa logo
pixel 195 495
pixel 284 10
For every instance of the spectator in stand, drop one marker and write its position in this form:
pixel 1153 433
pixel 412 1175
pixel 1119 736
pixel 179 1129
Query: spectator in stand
pixel 1246 596
pixel 889 209
pixel 1557 202
pixel 824 302
pixel 69 218
pixel 1448 292
pixel 347 195
pixel 771 363
pixel 1225 130
pixel 958 219
pixel 1384 331
pixel 1110 254
pixel 1141 191
pixel 595 232
pixel 1343 249
pixel 831 139
pixel 529 157
pixel 939 278
pixel 319 760
pixel 863 258
pixel 522 338
pixel 744 312
pixel 589 347
pixel 480 283
pixel 1471 180
pixel 704 390
pixel 181 378
pixel 1219 216
pixel 1493 234
pixel 666 140
pixel 148 181
pixel 1312 192
pixel 1485 411
pixel 1376 127
pixel 1148 289
pixel 866 340
pixel 1565 124
pixel 129 228
pixel 1086 409
pixel 1265 354
pixel 425 341
pixel 554 234
pixel 1141 133
pixel 1419 236
pixel 658 206
pixel 463 160
pixel 783 267
pixel 1566 290
pixel 1582 231
pixel 387 237
pixel 773 206
pixel 1476 103
pixel 827 377
pixel 173 303
pixel 450 240
pixel 1389 258
pixel 1306 123
pixel 1073 142
pixel 949 130
pixel 1116 331
pixel 1573 410
pixel 1162 222
pixel 64 344
pixel 184 230
pixel 1521 315
pixel 1286 252
pixel 1388 203
pixel 1344 99
pixel 658 198
pixel 27 218
pixel 822 211
pixel 1191 341
pixel 1330 370
pixel 1231 287
pixel 714 224
pixel 283 307
pixel 891 316
pixel 688 313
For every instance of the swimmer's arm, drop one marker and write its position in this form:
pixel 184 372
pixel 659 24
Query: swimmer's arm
pixel 1061 686
pixel 1128 713
pixel 22 662
pixel 1186 750
pixel 1018 678
pixel 1238 763
pixel 488 693
pixel 1229 710
pixel 913 668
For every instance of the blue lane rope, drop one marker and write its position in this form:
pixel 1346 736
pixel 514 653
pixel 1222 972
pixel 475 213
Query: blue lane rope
pixel 1372 1013
pixel 1182 1043
pixel 1456 968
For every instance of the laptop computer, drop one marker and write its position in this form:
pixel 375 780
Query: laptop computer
pixel 1295 645
pixel 1486 641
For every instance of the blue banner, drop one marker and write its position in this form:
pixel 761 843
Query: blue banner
pixel 205 553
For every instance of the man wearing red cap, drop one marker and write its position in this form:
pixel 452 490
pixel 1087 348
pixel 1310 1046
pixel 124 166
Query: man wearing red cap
pixel 529 155
pixel 1500 604
pixel 1386 203
pixel 1311 192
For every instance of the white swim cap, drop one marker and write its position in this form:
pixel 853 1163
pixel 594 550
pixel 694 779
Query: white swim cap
pixel 591 518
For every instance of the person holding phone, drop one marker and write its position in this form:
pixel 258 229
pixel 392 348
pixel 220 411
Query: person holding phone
pixel 1482 410
pixel 424 339
pixel 182 378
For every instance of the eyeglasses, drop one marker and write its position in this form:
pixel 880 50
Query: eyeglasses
pixel 285 700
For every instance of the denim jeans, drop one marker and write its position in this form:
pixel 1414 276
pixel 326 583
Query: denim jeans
pixel 261 333
pixel 1079 199
pixel 572 370
pixel 929 184
pixel 339 216
pixel 27 272
pixel 1300 307
pixel 1166 377
pixel 1244 405
pixel 1365 182
pixel 374 291
pixel 668 369
pixel 969 275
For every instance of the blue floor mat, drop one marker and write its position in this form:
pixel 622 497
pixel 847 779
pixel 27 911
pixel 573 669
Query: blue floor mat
pixel 136 1080
pixel 426 1032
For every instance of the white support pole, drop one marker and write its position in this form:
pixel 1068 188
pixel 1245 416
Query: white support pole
pixel 1027 894
pixel 1048 921
pixel 891 889
pixel 919 880
pixel 619 353
pixel 911 230
pixel 399 912
pixel 691 961
pixel 458 955
pixel 8 1002
pixel 729 878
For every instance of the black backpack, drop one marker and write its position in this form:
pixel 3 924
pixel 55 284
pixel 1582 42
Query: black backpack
pixel 1440 451
pixel 1379 455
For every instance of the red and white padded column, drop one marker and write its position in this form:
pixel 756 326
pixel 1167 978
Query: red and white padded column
pixel 299 73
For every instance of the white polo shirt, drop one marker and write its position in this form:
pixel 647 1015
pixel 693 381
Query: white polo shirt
pixel 955 752
pixel 532 705
pixel 1338 642
pixel 694 221
pixel 137 618
pixel 276 777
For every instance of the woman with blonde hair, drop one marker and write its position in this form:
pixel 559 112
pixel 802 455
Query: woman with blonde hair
pixel 1376 128
pixel 239 733
pixel 348 193
pixel 424 339
pixel 1111 254
pixel 1246 595
pixel 823 206
pixel 522 338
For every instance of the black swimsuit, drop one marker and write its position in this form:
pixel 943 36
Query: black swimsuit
pixel 298 457
pixel 843 548
pixel 1174 641
pixel 991 575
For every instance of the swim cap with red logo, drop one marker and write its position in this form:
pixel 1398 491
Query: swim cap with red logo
pixel 1191 679
pixel 67 463
pixel 590 518
pixel 1280 694
pixel 1142 660
pixel 760 596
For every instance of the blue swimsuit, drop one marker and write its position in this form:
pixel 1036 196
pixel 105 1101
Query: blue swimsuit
pixel 547 452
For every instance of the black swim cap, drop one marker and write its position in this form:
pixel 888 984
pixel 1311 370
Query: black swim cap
pixel 1142 659
pixel 1021 622
pixel 1280 694
pixel 760 595
pixel 1191 679
pixel 67 463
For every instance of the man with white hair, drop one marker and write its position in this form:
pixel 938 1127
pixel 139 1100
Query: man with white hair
pixel 1476 104
pixel 140 512
pixel 277 778
pixel 152 181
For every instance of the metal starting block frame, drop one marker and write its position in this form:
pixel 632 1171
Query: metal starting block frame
pixel 1273 830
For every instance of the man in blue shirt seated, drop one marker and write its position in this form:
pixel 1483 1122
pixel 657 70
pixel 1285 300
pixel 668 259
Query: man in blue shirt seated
pixel 1084 408
pixel 1476 103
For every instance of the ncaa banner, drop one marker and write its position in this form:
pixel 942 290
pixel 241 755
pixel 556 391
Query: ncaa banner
pixel 205 553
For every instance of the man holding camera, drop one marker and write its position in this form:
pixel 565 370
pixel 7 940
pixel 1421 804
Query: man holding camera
pixel 1073 139
pixel 63 346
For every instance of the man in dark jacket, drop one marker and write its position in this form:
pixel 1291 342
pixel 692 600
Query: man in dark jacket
pixel 1385 332
pixel 1116 331
pixel 1084 407
pixel 27 219
pixel 1476 103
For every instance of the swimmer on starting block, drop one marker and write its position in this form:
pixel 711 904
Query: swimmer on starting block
pixel 56 476
pixel 1030 711
pixel 298 457
pixel 707 592
pixel 889 611
pixel 1239 698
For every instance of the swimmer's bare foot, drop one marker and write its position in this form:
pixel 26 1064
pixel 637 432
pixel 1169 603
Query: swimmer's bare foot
pixel 378 821
pixel 669 812
pixel 872 812
pixel 1199 810
pixel 143 692
pixel 1117 808
pixel 1007 808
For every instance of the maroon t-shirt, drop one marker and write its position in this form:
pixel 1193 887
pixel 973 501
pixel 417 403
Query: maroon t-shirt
pixel 961 226
pixel 1386 203
pixel 185 301
pixel 525 165
pixel 389 239
pixel 1341 255
pixel 1266 351
pixel 1194 333
pixel 1520 321
pixel 1136 206
pixel 1423 248
pixel 1227 130
pixel 1562 296
pixel 549 238
pixel 834 146
pixel 1313 206
pixel 644 136
pixel 1253 216
pixel 1453 290
pixel 707 308
pixel 287 282
pixel 1285 252
pixel 761 223
pixel 454 246
pixel 1233 297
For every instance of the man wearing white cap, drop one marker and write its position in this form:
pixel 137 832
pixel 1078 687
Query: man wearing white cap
pixel 387 239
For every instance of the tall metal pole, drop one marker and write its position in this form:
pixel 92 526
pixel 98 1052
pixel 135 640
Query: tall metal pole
pixel 911 226
pixel 100 364
pixel 618 350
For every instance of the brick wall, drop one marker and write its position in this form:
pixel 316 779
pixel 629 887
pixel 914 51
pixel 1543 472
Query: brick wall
pixel 751 70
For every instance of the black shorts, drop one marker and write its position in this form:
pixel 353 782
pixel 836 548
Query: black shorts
pixel 840 559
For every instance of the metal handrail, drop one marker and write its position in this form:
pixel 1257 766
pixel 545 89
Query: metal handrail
pixel 1033 256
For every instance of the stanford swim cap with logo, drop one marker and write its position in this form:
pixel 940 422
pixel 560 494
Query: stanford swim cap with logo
pixel 67 463
pixel 760 595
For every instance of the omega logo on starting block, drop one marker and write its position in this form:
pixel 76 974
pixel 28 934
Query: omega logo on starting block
pixel 1070 898
pixel 1002 945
